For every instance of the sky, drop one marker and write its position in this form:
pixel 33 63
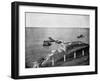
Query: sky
pixel 56 20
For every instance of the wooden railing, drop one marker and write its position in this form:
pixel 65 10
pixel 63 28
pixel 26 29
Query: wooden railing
pixel 51 57
pixel 67 53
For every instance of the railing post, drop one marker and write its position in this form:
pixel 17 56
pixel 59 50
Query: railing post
pixel 52 61
pixel 82 52
pixel 64 58
pixel 74 54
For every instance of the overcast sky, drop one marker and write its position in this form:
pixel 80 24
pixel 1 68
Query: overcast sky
pixel 56 20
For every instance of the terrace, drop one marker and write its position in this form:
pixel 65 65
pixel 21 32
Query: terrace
pixel 75 53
